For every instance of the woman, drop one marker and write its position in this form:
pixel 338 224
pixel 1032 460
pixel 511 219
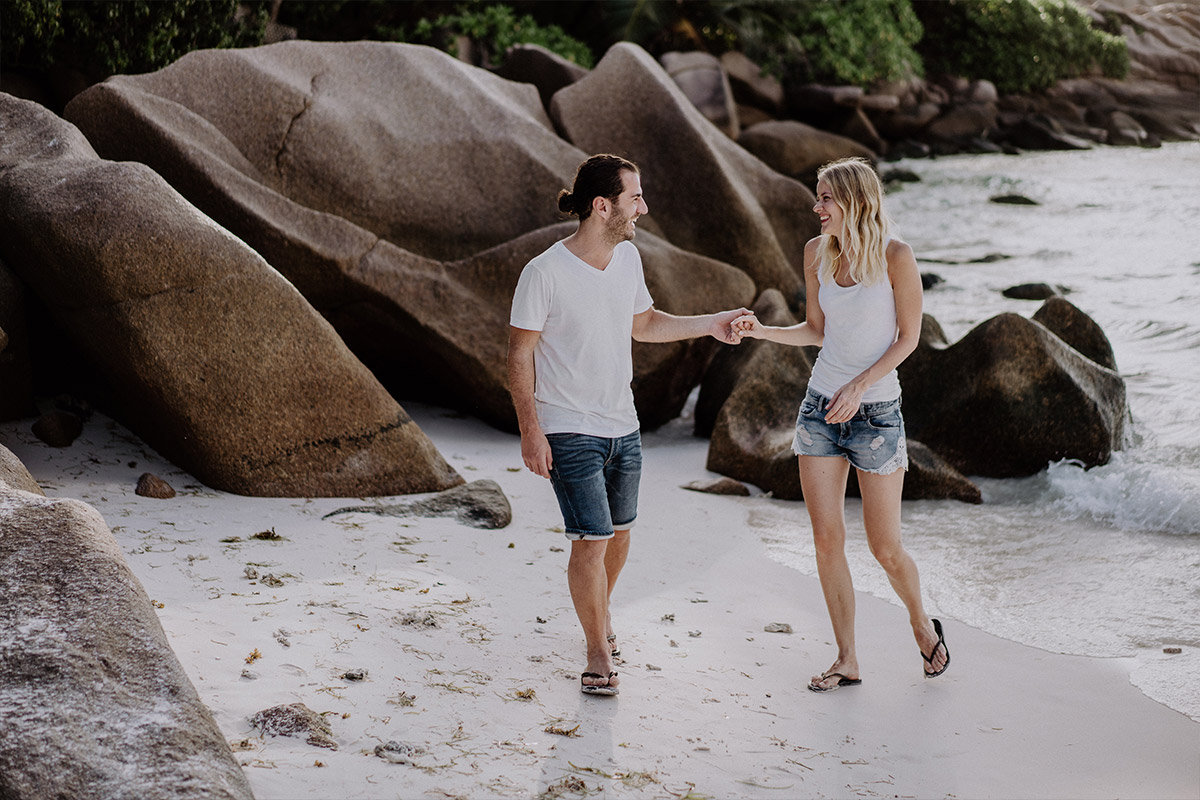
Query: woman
pixel 864 309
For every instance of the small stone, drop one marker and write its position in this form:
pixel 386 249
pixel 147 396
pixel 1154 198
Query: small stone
pixel 695 634
pixel 1030 291
pixel 726 486
pixel 900 175
pixel 930 280
pixel 356 674
pixel 653 668
pixel 281 636
pixel 295 719
pixel 1014 199
pixel 778 627
pixel 250 573
pixel 249 675
pixel 1172 651
pixel 270 580
pixel 398 752
pixel 58 428
pixel 150 485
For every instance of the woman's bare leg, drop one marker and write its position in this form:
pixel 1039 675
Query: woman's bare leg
pixel 823 479
pixel 881 517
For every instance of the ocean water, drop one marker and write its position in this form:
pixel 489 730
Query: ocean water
pixel 1100 562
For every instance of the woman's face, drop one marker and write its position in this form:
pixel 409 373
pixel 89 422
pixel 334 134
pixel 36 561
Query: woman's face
pixel 829 212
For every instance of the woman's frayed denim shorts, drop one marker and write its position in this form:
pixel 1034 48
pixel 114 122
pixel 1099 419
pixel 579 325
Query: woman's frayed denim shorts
pixel 596 481
pixel 872 441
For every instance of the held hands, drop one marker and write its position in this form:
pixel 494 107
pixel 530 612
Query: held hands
pixel 722 325
pixel 747 325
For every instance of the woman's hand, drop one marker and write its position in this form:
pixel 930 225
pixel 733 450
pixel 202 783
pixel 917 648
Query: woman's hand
pixel 845 402
pixel 747 325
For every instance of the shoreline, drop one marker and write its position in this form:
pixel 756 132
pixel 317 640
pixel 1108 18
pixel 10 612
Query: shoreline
pixel 724 713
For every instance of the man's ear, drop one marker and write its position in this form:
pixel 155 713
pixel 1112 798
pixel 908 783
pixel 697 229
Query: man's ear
pixel 600 206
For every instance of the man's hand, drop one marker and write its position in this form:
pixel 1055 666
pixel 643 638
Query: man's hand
pixel 722 325
pixel 535 452
pixel 747 325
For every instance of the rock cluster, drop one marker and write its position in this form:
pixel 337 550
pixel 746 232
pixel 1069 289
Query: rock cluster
pixel 385 265
pixel 211 356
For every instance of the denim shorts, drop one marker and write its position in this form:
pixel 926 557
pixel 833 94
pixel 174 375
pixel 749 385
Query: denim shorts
pixel 596 482
pixel 872 441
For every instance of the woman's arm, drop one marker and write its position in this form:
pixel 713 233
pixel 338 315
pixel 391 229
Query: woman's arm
pixel 809 332
pixel 906 288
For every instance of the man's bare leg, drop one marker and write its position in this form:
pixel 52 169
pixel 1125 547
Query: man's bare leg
pixel 614 562
pixel 588 582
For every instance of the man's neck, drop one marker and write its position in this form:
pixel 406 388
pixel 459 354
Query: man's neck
pixel 589 245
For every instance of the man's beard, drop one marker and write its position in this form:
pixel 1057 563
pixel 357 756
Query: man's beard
pixel 618 230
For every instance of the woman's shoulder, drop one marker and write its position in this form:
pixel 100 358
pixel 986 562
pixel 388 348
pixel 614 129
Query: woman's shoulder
pixel 899 255
pixel 898 249
pixel 812 244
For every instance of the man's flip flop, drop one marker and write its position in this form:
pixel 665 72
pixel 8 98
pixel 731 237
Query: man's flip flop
pixel 603 690
pixel 842 681
pixel 612 637
pixel 941 642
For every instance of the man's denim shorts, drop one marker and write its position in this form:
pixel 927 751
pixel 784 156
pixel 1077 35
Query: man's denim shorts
pixel 872 441
pixel 596 481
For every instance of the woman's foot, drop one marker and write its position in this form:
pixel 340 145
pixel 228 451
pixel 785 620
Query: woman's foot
pixel 612 642
pixel 933 648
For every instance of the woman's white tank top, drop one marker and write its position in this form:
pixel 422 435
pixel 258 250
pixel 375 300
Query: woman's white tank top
pixel 860 325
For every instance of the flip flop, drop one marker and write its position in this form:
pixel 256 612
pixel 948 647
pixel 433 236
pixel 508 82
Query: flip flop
pixel 842 681
pixel 941 642
pixel 612 637
pixel 604 691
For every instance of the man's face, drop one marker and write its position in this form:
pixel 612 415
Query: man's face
pixel 621 224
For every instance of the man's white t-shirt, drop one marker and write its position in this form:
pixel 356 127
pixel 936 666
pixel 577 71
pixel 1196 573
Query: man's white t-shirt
pixel 583 362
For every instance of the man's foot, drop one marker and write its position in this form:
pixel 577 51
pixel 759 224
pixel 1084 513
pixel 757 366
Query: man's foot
pixel 939 655
pixel 595 683
pixel 837 675
pixel 830 681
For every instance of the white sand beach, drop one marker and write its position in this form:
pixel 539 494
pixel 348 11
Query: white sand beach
pixel 472 651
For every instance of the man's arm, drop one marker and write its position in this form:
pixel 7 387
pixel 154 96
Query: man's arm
pixel 535 449
pixel 653 325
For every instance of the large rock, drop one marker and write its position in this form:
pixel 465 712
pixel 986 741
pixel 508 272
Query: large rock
pixel 1010 397
pixel 430 330
pixel 16 372
pixel 14 475
pixel 1062 318
pixel 798 150
pixel 701 77
pixel 211 356
pixel 545 69
pixel 1163 39
pixel 964 121
pixel 433 155
pixel 756 422
pixel 707 194
pixel 726 369
pixel 95 702
pixel 751 87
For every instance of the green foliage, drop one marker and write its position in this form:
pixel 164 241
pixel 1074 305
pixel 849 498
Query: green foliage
pixel 105 38
pixel 832 41
pixel 496 28
pixel 854 42
pixel 1020 45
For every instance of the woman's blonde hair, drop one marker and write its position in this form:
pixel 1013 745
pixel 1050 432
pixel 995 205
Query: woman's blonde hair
pixel 856 189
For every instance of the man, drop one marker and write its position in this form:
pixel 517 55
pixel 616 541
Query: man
pixel 570 366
